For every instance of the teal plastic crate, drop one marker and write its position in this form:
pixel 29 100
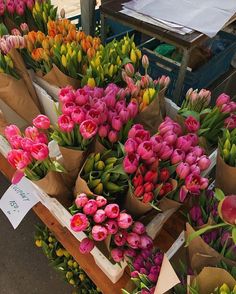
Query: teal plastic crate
pixel 202 77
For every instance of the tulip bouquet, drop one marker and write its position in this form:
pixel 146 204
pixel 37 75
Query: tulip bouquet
pixel 153 163
pixel 226 161
pixel 62 261
pixel 35 13
pixel 205 121
pixel 61 56
pixel 30 157
pixel 105 65
pixel 148 93
pixel 102 175
pixel 145 270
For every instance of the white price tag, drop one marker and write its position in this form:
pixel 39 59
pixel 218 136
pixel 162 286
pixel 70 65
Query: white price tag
pixel 18 200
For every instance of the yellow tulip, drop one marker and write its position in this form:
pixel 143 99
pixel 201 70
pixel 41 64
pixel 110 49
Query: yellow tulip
pixel 118 60
pixel 45 17
pixel 82 277
pixel 91 83
pixel 133 56
pixel 59 252
pixel 97 62
pixel 79 56
pixel 146 97
pixel 63 49
pixel 123 49
pixel 37 6
pixel 38 243
pixel 110 71
pixel 64 60
pixel 152 92
pixel 138 53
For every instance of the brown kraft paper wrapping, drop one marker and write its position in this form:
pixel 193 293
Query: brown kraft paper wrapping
pixel 81 185
pixel 3 123
pixel 21 69
pixel 59 79
pixel 54 186
pixel 201 254
pixel 211 278
pixel 225 176
pixel 98 147
pixel 72 161
pixel 15 94
pixel 152 116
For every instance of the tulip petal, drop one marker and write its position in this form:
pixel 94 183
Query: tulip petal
pixel 18 175
pixel 183 193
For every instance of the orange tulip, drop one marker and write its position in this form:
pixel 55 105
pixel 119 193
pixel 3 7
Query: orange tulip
pixel 80 36
pixel 37 54
pixel 32 36
pixel 40 36
pixel 91 52
pixel 58 39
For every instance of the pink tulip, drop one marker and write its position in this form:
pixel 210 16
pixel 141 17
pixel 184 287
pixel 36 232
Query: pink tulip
pixel 194 168
pixel 67 94
pixel 120 104
pixel 113 136
pixel 183 170
pixel 232 105
pixel 112 88
pixel 137 181
pixel 133 240
pixel 222 99
pixel 98 92
pixel 103 131
pixel 130 252
pixel 157 143
pixel 124 115
pixel 146 242
pixel 41 138
pixel 190 158
pixel 111 226
pixel 204 162
pixel 110 100
pixel 79 222
pixel 94 115
pixel 42 122
pixel 145 150
pixel 81 200
pixel 130 163
pixel 226 108
pixel 138 228
pixel 133 108
pixel 134 129
pixel 117 254
pixel 27 144
pixel 18 159
pixel 116 123
pixel 99 216
pixel 198 151
pixel 192 183
pixel 177 156
pixel 151 176
pixel 20 8
pixel 77 115
pixel 68 108
pixel 230 122
pixel 129 69
pixel 101 201
pixel 2 8
pixel 15 141
pixel 10 6
pixel 112 210
pixel 30 4
pixel 15 32
pixel 86 246
pixel 99 233
pixel 88 129
pixel 170 138
pixel 138 192
pixel 154 273
pixel 65 123
pixel 148 187
pixel 24 27
pixel 145 62
pixel 17 177
pixel 165 152
pixel 90 207
pixel 204 182
pixel 193 138
pixel 195 213
pixel 183 143
pixel 124 220
pixel 192 124
pixel 165 127
pixel 81 100
pixel 130 146
pixel 120 238
pixel 39 151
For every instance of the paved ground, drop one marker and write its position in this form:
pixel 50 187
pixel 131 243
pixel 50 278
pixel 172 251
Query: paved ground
pixel 24 268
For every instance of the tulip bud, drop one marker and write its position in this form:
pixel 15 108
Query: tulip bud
pixel 145 62
pixel 129 69
pixel 138 192
pixel 183 170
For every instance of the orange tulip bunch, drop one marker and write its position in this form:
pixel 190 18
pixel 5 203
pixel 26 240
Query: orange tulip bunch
pixel 69 49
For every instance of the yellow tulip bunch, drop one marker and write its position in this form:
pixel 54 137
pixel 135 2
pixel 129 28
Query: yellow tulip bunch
pixel 105 65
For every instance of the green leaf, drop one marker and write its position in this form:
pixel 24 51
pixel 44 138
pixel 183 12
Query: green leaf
pixel 219 194
pixel 202 231
pixel 188 113
pixel 124 291
pixel 234 235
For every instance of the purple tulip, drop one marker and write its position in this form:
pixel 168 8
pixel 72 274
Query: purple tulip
pixel 138 228
pixel 117 254
pixel 195 213
pixel 133 240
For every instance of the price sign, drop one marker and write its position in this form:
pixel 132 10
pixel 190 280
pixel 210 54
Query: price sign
pixel 18 200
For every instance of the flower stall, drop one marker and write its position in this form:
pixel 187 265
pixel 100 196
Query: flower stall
pixel 136 193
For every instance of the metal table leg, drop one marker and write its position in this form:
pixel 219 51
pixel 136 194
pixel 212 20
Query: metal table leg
pixel 103 28
pixel 181 76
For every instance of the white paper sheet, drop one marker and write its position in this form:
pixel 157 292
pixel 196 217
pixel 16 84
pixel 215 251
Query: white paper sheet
pixel 18 200
pixel 206 16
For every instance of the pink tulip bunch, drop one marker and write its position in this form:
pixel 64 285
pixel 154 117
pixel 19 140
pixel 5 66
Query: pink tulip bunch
pixel 196 100
pixel 9 42
pixel 15 8
pixel 88 112
pixel 127 243
pixel 30 153
pixel 145 270
pixel 142 89
pixel 98 219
